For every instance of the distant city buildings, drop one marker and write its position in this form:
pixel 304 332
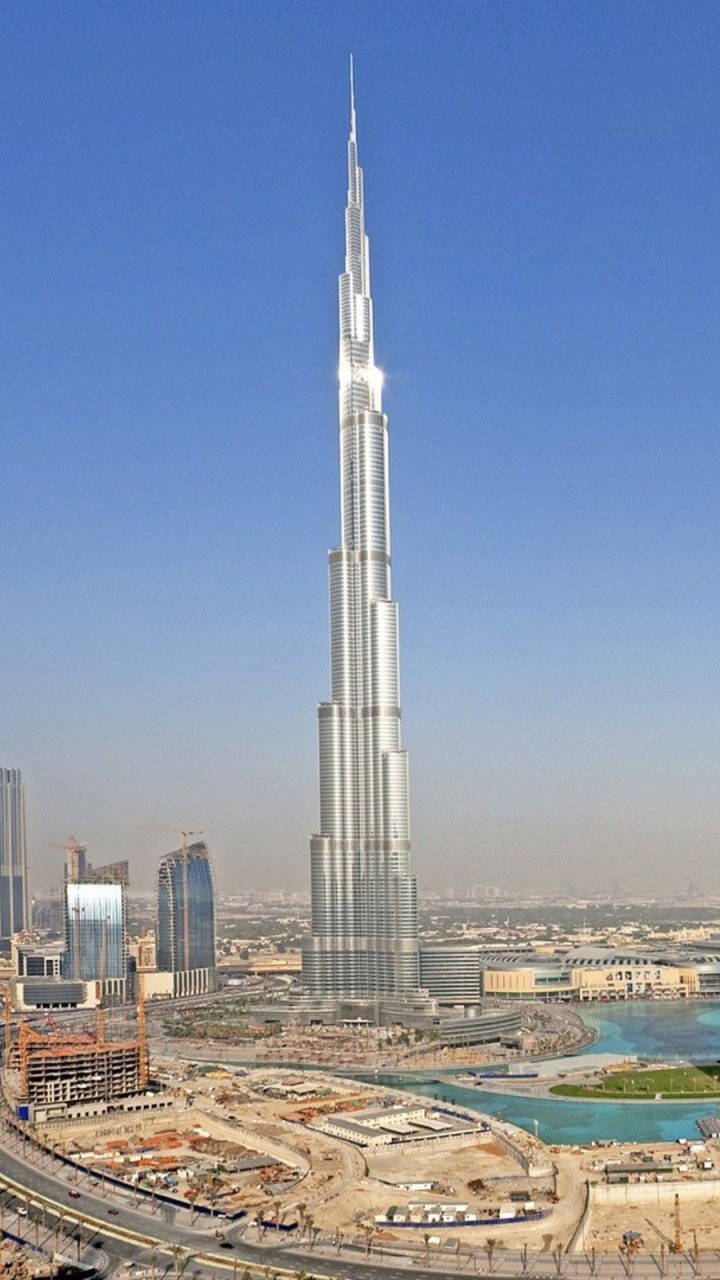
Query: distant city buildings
pixel 185 935
pixel 14 901
pixel 455 974
pixel 94 964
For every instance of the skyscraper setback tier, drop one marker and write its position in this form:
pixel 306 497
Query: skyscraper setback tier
pixel 364 939
pixel 14 912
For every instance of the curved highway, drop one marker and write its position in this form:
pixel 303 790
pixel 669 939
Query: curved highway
pixel 165 1243
pixel 169 1234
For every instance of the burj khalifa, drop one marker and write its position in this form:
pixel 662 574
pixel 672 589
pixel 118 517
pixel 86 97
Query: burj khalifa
pixel 364 940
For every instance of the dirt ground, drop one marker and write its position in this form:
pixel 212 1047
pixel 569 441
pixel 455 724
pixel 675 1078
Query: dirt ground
pixel 699 1221
pixel 342 1188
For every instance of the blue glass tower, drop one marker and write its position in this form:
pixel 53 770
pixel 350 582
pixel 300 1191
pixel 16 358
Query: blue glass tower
pixel 185 938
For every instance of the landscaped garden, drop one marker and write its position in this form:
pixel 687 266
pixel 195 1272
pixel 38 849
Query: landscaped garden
pixel 649 1083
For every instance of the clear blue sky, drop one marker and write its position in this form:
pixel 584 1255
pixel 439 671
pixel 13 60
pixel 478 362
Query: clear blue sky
pixel 542 201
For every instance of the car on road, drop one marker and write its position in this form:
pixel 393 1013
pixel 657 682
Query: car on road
pixel 114 1212
pixel 74 1195
pixel 226 1244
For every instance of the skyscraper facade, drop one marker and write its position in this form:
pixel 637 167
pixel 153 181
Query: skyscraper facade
pixel 185 937
pixel 95 932
pixel 364 941
pixel 95 916
pixel 14 907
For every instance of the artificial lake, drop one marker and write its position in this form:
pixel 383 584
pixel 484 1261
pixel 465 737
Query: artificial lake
pixel 667 1031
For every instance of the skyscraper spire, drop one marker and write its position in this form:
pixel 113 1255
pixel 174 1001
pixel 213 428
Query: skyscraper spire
pixel 364 939
pixel 360 380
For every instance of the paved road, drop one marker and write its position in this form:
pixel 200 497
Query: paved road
pixel 172 1228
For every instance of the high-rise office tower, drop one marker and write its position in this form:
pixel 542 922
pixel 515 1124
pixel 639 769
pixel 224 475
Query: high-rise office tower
pixel 14 909
pixel 185 938
pixel 364 939
pixel 95 915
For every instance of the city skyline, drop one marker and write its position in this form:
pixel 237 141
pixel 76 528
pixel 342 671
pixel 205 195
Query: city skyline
pixel 545 274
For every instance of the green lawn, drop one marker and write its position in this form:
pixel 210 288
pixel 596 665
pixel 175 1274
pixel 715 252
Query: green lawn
pixel 671 1082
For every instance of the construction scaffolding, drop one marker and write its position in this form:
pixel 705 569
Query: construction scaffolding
pixel 60 1068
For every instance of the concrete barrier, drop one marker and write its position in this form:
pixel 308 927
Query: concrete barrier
pixel 653 1192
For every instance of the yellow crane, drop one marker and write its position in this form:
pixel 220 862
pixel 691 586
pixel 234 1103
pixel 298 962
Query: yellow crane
pixel 73 851
pixel 23 1041
pixel 142 1033
pixel 677 1246
pixel 8 1024
pixel 100 1012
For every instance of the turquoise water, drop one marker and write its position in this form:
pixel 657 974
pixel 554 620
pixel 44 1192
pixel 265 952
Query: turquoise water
pixel 565 1120
pixel 651 1029
pixel 677 1028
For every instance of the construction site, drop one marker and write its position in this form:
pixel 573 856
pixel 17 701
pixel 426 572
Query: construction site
pixel 310 1151
pixel 52 1075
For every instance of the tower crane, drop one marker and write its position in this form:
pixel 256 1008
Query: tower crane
pixel 677 1245
pixel 100 1012
pixel 73 851
pixel 8 1024
pixel 142 1034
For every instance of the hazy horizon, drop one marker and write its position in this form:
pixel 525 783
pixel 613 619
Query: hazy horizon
pixel 541 203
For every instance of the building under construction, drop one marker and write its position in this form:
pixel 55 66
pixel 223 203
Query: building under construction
pixel 59 1068
pixel 56 1075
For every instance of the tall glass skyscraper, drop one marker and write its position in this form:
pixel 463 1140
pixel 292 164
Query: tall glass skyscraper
pixel 364 939
pixel 95 932
pixel 185 939
pixel 14 907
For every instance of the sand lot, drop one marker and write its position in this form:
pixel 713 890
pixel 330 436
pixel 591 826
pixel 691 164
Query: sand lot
pixel 452 1170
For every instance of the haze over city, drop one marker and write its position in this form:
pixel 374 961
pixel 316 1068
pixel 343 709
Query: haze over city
pixel 541 199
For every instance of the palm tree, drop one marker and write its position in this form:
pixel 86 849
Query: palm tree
pixel 58 1230
pixel 182 1256
pixel 79 1237
pixel 426 1242
pixel 302 1209
pixel 490 1247
pixel 213 1195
